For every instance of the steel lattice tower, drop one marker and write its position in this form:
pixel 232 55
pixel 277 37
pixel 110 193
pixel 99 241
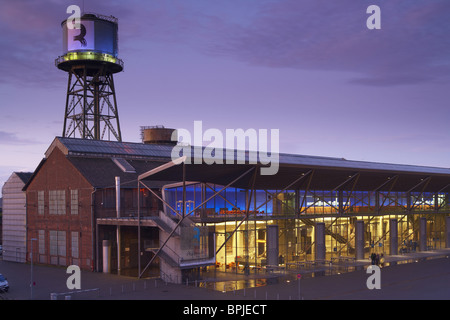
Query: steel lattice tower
pixel 90 58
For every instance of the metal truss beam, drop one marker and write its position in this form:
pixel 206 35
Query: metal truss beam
pixel 350 178
pixel 393 182
pixel 249 199
pixel 184 215
pixel 89 109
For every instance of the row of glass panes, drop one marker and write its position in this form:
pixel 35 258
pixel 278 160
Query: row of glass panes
pixel 57 202
pixel 58 243
pixel 233 200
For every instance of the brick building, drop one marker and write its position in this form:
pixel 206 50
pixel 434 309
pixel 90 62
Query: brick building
pixel 14 217
pixel 74 188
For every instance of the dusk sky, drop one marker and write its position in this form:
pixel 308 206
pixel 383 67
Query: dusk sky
pixel 310 68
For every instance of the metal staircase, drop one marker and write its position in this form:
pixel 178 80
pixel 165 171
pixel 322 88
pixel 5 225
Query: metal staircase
pixel 175 251
pixel 339 238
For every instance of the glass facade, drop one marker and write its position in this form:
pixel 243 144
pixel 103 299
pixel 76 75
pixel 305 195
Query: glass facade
pixel 241 243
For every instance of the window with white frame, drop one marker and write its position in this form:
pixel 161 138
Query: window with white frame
pixel 74 246
pixel 41 240
pixel 57 243
pixel 74 201
pixel 57 201
pixel 41 203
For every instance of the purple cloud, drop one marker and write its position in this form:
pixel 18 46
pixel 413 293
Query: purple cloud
pixel 29 41
pixel 8 138
pixel 412 46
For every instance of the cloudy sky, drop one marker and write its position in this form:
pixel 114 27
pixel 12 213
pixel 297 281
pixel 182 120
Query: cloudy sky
pixel 310 68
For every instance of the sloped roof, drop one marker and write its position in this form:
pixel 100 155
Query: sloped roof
pixel 99 148
pixel 24 176
pixel 101 172
pixel 93 158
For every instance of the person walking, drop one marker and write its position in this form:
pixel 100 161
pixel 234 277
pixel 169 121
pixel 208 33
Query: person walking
pixel 373 257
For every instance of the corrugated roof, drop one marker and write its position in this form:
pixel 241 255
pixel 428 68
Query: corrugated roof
pixel 76 146
pixel 359 165
pixel 93 159
pixel 101 172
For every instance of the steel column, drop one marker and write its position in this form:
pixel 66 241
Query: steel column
pixel 359 241
pixel 447 231
pixel 423 234
pixel 393 229
pixel 319 235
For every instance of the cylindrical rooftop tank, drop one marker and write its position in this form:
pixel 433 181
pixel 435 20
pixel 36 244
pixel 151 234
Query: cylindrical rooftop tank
pixel 158 135
pixel 95 42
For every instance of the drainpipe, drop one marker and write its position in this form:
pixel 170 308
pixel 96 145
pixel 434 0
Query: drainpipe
pixel 94 253
pixel 118 226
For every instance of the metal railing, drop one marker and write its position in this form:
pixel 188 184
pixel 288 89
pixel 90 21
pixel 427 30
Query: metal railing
pixel 90 55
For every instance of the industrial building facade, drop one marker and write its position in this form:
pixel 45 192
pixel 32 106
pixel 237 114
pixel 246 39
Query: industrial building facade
pixel 150 216
pixel 14 228
pixel 313 209
pixel 67 196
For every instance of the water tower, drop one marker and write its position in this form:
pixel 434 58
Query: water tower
pixel 90 57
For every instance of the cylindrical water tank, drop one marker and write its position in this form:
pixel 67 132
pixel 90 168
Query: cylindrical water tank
pixel 93 41
pixel 159 135
pixel 96 33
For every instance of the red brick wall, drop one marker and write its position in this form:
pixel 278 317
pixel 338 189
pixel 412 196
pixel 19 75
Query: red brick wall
pixel 57 173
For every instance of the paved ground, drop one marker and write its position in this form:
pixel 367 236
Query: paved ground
pixel 421 276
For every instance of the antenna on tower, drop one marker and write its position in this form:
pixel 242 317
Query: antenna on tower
pixel 90 58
